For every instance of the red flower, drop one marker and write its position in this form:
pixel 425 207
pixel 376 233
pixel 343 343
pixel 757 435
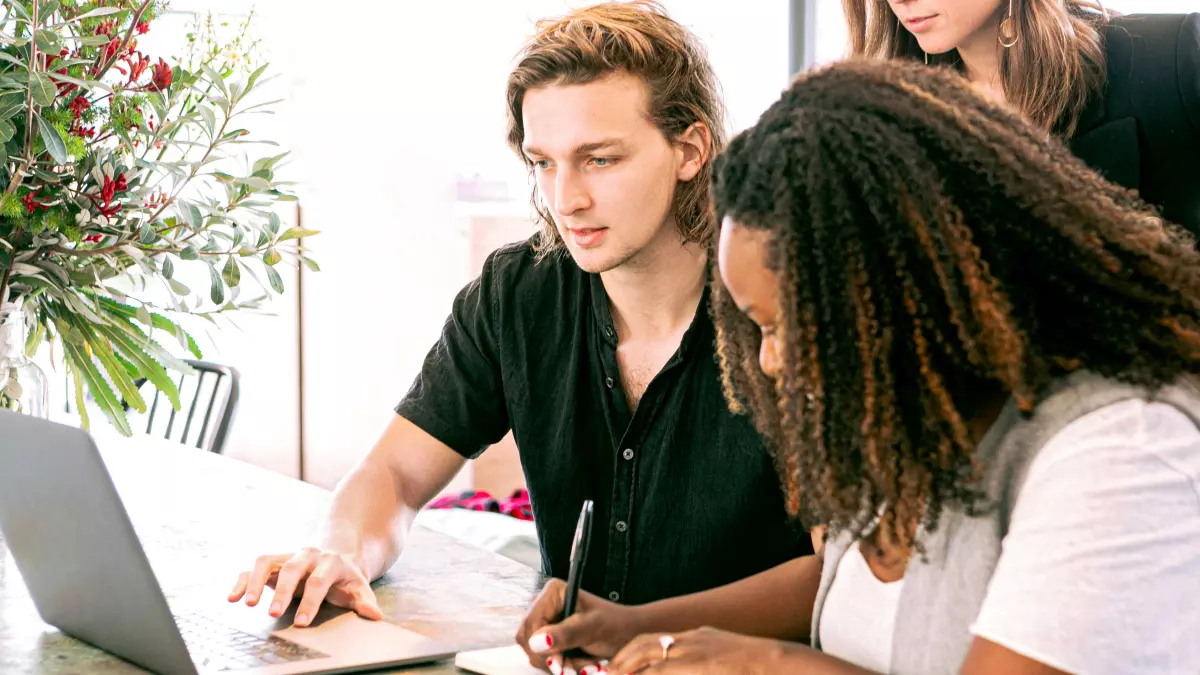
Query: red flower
pixel 143 28
pixel 112 187
pixel 31 203
pixel 111 49
pixel 161 77
pixel 79 105
pixel 92 238
pixel 84 132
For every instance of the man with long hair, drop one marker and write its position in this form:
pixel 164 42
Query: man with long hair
pixel 591 342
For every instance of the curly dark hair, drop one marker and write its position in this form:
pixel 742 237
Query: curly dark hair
pixel 934 252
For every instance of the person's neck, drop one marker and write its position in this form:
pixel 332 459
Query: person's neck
pixel 656 295
pixel 981 60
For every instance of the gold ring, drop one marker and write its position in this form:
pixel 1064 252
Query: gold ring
pixel 666 641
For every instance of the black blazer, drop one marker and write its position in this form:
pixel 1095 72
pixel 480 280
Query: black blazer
pixel 1143 131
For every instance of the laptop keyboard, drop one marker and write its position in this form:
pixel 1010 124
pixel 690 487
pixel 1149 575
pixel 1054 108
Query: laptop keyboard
pixel 214 646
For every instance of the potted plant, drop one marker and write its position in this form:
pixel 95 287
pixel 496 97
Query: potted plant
pixel 117 169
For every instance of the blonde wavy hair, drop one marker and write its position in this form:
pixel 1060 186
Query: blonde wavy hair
pixel 638 38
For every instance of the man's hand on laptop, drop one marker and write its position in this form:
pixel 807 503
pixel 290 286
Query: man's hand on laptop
pixel 315 576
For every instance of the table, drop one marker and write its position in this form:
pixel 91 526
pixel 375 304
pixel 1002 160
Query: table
pixel 203 518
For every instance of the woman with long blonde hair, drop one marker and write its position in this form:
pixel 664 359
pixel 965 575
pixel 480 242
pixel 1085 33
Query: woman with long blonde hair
pixel 1123 91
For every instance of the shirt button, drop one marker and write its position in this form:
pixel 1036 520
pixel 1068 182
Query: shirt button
pixel 609 382
pixel 621 526
pixel 614 596
pixel 628 454
pixel 608 331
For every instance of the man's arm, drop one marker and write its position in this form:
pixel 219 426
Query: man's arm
pixel 375 504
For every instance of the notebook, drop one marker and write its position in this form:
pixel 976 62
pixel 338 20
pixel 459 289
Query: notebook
pixel 499 661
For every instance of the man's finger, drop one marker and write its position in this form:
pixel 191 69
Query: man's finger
pixel 324 574
pixel 264 568
pixel 291 574
pixel 239 587
pixel 366 604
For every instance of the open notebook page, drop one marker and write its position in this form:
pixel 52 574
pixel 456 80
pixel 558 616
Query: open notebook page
pixel 499 661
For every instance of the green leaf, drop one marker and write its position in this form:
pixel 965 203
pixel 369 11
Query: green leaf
pixel 275 280
pixel 143 315
pixel 13 60
pixel 101 392
pixel 210 120
pixel 117 374
pixel 189 252
pixel 99 11
pixel 254 77
pixel 48 8
pixel 80 407
pixel 216 78
pixel 42 89
pixel 310 264
pixel 194 217
pixel 150 368
pixel 126 333
pixel 159 321
pixel 11 107
pixel 178 288
pixel 46 41
pixel 254 182
pixel 297 233
pixel 273 223
pixel 217 290
pixel 168 268
pixel 271 257
pixel 230 274
pixel 54 142
pixel 93 40
pixel 86 84
pixel 6 131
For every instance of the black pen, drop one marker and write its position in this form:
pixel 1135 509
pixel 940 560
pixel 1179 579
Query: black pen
pixel 579 553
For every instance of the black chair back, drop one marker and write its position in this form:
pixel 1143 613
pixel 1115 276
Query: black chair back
pixel 207 403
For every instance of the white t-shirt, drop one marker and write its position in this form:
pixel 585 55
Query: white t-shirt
pixel 1100 571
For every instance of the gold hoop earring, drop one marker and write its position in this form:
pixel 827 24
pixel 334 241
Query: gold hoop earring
pixel 1007 35
pixel 926 58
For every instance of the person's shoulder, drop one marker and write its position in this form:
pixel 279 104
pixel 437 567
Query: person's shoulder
pixel 1168 29
pixel 521 265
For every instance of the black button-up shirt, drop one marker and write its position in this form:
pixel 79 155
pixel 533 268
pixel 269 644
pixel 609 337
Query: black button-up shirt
pixel 686 497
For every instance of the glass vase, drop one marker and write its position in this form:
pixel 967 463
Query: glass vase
pixel 23 386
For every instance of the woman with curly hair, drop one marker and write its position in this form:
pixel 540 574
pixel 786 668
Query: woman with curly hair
pixel 974 361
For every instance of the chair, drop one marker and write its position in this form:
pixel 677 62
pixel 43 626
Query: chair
pixel 214 388
pixel 221 397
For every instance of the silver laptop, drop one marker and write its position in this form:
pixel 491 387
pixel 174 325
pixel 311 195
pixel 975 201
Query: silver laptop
pixel 78 553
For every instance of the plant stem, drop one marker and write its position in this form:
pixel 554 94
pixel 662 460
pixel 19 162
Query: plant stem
pixel 26 158
pixel 7 274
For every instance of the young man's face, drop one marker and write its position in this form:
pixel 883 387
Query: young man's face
pixel 603 170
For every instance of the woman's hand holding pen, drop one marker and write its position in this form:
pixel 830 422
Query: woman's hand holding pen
pixel 598 627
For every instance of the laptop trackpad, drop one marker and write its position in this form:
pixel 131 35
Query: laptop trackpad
pixel 339 633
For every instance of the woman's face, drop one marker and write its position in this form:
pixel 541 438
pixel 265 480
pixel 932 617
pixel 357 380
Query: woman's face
pixel 754 287
pixel 942 25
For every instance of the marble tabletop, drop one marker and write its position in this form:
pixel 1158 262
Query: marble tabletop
pixel 203 518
